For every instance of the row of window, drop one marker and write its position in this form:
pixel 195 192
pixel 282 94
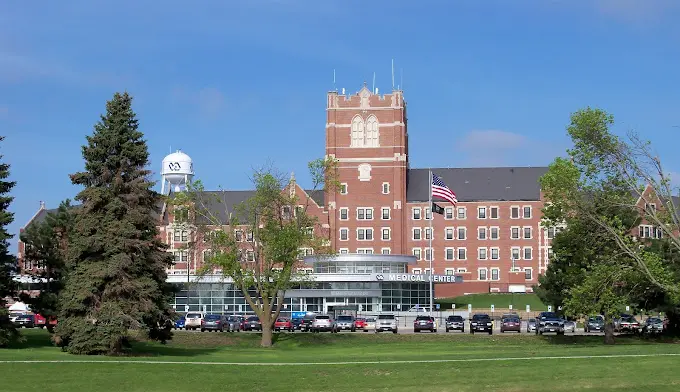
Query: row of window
pixel 482 273
pixel 649 231
pixel 450 233
pixel 483 253
pixel 366 213
pixel 384 189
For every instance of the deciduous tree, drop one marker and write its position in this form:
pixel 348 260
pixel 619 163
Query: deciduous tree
pixel 8 262
pixel 116 265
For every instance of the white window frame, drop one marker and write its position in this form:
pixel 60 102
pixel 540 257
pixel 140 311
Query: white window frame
pixel 498 212
pixel 458 211
pixel 366 231
pixel 519 232
pixel 453 233
pixel 464 249
pixel 524 250
pixel 343 251
pixel 427 233
pixel 461 270
pixel 548 233
pixel 420 234
pixel 346 211
pixel 524 232
pixel 418 253
pixel 449 211
pixel 513 250
pixel 497 271
pixel 346 231
pixel 458 229
pixel 480 230
pixel 482 251
pixel 491 253
pixel 365 251
pixel 531 212
pixel 385 251
pixel 250 255
pixel 519 212
pixel 481 210
pixel 449 271
pixel 531 273
pixel 343 188
pixel 382 233
pixel 413 213
pixel 367 211
pixel 446 253
pixel 385 189
pixel 382 213
pixel 427 271
pixel 430 252
pixel 428 213
pixel 416 271
pixel 479 274
pixel 498 233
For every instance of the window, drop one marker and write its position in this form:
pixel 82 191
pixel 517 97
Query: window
pixel 181 236
pixel 344 213
pixel 209 236
pixel 385 213
pixel 494 233
pixel 250 255
pixel 416 213
pixel 514 212
pixel 527 212
pixel 344 234
pixel 372 135
pixel 527 273
pixel 462 233
pixel 249 235
pixel 181 214
pixel 551 233
pixel 449 271
pixel 385 234
pixel 286 212
pixel 182 256
pixel 358 132
pixel 427 233
pixel 304 252
pixel 427 271
pixel 417 234
pixel 428 213
pixel 309 232
pixel 495 253
pixel 493 212
pixel 461 270
pixel 527 253
pixel 386 188
pixel 417 254
pixel 365 251
pixel 448 213
pixel 299 210
pixel 365 234
pixel 481 233
pixel 416 271
pixel 343 251
pixel 448 233
pixel 550 254
pixel 462 213
pixel 481 212
pixel 515 253
pixel 364 213
pixel 428 254
pixel 527 233
pixel 494 274
pixel 462 254
pixel 239 235
pixel 343 189
pixel 449 253
pixel 649 231
pixel 481 253
pixel 482 273
pixel 385 251
pixel 514 233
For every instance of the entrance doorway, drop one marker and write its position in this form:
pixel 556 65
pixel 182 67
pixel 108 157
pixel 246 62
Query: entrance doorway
pixel 340 310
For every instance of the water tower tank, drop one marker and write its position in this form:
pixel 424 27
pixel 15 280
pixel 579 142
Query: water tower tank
pixel 177 171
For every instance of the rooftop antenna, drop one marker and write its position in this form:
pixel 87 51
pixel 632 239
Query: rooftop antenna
pixel 393 74
pixel 373 82
pixel 334 89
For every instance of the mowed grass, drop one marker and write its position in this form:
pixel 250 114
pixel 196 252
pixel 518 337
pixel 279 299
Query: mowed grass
pixel 500 301
pixel 653 373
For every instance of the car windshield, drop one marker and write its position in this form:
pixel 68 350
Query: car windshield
pixel 193 315
pixel 370 320
pixel 344 318
pixel 479 317
pixel 253 318
pixel 425 318
pixel 654 320
pixel 455 318
pixel 386 317
pixel 323 317
pixel 512 320
pixel 594 320
pixel 629 319
pixel 212 317
pixel 549 315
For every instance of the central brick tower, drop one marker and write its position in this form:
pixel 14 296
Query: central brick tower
pixel 366 133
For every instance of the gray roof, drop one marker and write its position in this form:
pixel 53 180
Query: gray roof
pixel 479 184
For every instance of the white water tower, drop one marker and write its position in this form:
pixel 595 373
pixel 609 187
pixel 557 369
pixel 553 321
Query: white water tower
pixel 177 171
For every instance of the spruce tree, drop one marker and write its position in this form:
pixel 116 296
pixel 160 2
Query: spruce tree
pixel 115 279
pixel 8 263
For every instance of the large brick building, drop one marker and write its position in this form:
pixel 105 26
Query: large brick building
pixel 382 206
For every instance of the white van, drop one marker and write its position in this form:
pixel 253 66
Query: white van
pixel 193 320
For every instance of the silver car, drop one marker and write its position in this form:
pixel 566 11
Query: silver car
pixel 323 323
pixel 531 325
pixel 343 323
pixel 569 326
pixel 386 322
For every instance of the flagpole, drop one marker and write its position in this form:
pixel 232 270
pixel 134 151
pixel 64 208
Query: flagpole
pixel 430 245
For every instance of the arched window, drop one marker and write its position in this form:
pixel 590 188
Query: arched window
pixel 358 132
pixel 372 134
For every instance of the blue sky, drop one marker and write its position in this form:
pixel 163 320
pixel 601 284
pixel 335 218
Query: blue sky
pixel 236 84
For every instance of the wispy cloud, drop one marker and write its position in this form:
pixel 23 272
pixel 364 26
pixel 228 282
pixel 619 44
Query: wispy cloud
pixel 208 102
pixel 503 148
pixel 636 11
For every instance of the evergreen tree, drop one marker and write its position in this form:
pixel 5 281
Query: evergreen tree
pixel 46 244
pixel 116 280
pixel 8 262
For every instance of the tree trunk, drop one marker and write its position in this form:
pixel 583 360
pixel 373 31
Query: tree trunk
pixel 608 332
pixel 267 334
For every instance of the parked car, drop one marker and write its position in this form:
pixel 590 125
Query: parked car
pixel 511 323
pixel 627 323
pixel 345 323
pixel 531 325
pixel 569 326
pixel 39 320
pixel 386 322
pixel 455 323
pixel 653 325
pixel 370 324
pixel 549 322
pixel 481 322
pixel 283 324
pixel 234 323
pixel 193 320
pixel 25 321
pixel 213 322
pixel 323 323
pixel 424 323
pixel 594 324
pixel 252 323
pixel 297 323
pixel 360 323
pixel 307 322
pixel 180 323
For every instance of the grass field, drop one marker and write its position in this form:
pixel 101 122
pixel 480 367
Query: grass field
pixel 500 301
pixel 632 364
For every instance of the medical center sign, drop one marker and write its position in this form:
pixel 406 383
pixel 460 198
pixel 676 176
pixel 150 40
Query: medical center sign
pixel 418 278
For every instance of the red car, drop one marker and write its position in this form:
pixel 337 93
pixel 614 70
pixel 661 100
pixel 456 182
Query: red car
pixel 282 324
pixel 42 322
pixel 360 323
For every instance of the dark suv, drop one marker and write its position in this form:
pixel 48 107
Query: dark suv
pixel 424 323
pixel 549 322
pixel 481 322
pixel 455 323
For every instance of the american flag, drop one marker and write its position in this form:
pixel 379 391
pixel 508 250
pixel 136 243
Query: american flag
pixel 439 189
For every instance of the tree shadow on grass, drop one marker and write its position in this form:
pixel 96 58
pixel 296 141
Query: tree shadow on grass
pixel 598 340
pixel 31 339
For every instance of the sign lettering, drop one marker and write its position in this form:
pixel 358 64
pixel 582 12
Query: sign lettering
pixel 418 278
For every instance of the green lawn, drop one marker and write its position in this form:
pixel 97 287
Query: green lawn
pixel 500 301
pixel 653 373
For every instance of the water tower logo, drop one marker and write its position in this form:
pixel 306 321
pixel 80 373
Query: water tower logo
pixel 177 171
